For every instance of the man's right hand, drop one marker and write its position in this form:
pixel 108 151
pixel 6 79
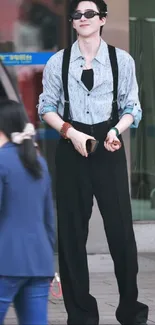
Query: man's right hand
pixel 79 140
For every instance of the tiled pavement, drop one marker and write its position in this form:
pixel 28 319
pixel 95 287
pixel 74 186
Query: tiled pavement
pixel 103 286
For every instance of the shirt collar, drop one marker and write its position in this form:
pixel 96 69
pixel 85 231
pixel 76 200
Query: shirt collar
pixel 8 144
pixel 102 51
pixel 75 52
pixel 100 56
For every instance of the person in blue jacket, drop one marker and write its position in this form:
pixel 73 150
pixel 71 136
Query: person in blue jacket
pixel 27 231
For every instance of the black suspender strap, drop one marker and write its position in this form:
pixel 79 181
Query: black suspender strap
pixel 65 69
pixel 114 67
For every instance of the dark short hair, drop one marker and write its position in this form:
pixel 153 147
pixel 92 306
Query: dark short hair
pixel 101 5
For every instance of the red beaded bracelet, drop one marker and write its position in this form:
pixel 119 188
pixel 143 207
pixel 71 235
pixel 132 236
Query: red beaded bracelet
pixel 64 129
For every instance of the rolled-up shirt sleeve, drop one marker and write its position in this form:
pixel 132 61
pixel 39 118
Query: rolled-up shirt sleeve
pixel 128 95
pixel 50 97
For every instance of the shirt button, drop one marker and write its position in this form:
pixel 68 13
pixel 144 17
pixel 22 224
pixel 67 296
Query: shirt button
pixel 87 112
pixel 81 66
pixel 88 94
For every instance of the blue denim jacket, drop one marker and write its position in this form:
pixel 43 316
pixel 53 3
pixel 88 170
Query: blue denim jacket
pixel 27 231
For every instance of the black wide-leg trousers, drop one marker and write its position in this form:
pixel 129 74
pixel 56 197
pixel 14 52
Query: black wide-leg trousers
pixel 103 175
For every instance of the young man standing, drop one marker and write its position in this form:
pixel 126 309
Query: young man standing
pixel 98 101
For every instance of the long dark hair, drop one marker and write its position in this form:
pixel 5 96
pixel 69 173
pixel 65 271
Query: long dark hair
pixel 13 118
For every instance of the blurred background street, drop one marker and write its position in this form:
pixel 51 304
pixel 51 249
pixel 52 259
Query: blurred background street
pixel 30 32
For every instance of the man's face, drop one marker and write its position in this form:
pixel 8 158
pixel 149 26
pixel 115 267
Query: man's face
pixel 86 27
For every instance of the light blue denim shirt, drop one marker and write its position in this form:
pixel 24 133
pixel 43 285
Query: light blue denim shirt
pixel 93 106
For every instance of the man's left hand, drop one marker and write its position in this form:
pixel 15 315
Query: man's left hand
pixel 109 142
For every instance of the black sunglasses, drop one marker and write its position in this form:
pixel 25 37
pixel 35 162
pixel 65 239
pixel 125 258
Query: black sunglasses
pixel 88 14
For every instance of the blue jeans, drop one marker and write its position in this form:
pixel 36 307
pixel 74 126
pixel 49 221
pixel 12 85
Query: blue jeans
pixel 30 298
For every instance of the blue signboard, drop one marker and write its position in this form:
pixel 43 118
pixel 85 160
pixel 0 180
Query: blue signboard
pixel 20 58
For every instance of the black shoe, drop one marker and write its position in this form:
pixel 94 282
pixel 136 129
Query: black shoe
pixel 140 324
pixel 144 323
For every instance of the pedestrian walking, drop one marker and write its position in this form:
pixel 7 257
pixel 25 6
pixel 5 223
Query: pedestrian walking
pixel 26 220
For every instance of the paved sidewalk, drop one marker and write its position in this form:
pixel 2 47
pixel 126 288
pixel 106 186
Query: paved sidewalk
pixel 103 286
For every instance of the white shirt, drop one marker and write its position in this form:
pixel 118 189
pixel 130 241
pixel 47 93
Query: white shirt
pixel 98 101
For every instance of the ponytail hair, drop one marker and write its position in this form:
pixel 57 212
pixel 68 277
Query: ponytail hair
pixel 14 124
pixel 29 158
